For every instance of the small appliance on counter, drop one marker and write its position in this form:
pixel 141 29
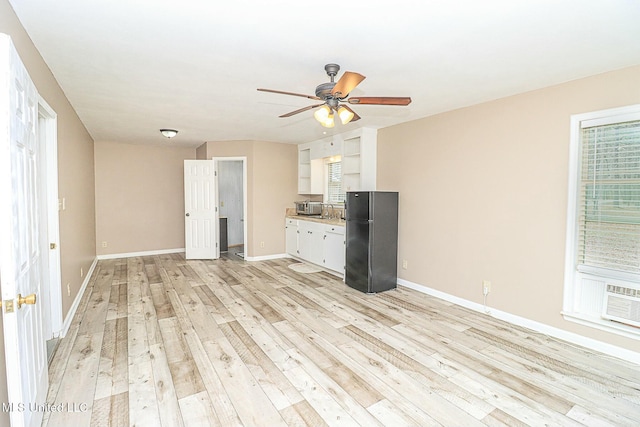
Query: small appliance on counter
pixel 372 240
pixel 307 207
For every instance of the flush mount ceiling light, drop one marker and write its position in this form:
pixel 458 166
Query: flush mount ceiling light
pixel 168 133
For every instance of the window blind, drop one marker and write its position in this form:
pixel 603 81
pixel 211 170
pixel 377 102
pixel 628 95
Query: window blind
pixel 334 190
pixel 609 206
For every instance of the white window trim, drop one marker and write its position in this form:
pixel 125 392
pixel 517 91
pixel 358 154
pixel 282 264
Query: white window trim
pixel 325 196
pixel 571 291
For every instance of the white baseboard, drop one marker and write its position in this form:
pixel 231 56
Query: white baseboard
pixel 76 302
pixel 145 253
pixel 611 350
pixel 265 257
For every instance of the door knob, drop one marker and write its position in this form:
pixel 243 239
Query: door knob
pixel 29 299
pixel 187 214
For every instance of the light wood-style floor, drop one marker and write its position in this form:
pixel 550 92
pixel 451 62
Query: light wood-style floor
pixel 160 341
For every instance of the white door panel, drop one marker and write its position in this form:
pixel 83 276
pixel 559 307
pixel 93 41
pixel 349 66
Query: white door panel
pixel 20 259
pixel 200 210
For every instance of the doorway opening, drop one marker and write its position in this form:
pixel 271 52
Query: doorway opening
pixel 48 226
pixel 232 204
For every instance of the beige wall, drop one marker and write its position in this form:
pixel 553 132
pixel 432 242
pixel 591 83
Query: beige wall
pixel 140 194
pixel 139 197
pixel 275 184
pixel 483 196
pixel 271 188
pixel 76 175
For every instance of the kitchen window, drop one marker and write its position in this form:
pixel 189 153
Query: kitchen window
pixel 603 226
pixel 334 193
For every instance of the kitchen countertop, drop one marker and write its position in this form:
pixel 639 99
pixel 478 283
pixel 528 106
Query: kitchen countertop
pixel 329 221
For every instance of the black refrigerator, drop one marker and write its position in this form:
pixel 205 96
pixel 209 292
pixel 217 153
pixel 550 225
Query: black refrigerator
pixel 372 240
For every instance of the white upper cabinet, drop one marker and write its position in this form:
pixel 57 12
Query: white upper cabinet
pixel 310 172
pixel 358 150
pixel 359 160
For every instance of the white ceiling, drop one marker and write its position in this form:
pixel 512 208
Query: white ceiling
pixel 131 67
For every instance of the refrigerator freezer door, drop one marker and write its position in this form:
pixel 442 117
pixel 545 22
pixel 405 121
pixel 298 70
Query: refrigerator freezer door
pixel 357 255
pixel 358 205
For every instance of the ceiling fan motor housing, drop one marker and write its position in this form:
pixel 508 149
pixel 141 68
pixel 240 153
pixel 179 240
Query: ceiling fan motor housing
pixel 323 91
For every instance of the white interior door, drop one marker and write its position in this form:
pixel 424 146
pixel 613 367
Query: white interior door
pixel 200 212
pixel 20 261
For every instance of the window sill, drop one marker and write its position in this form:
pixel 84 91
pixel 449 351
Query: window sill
pixel 603 324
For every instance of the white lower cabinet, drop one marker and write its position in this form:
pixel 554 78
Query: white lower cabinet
pixel 291 236
pixel 317 243
pixel 310 241
pixel 334 248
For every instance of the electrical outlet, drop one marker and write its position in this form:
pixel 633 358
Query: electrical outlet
pixel 262 244
pixel 405 264
pixel 486 287
pixel 104 244
pixel 68 289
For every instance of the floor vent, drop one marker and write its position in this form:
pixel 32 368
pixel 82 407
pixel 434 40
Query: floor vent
pixel 622 304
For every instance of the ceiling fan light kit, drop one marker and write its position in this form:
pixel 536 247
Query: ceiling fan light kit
pixel 324 115
pixel 333 93
pixel 345 114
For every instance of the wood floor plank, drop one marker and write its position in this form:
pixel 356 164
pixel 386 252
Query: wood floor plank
pixel 107 357
pixel 216 308
pixel 164 341
pixel 78 383
pixel 302 414
pixel 266 371
pixel 165 391
pixel 416 392
pixel 120 366
pixel 458 396
pixel 389 415
pixel 186 376
pixel 196 410
pixel 326 355
pixel 611 407
pixel 98 304
pixel 223 407
pixel 101 412
pixel 249 400
pixel 321 400
pixel 143 406
pixel 119 409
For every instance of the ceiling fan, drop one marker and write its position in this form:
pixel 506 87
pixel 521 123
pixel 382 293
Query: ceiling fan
pixel 334 94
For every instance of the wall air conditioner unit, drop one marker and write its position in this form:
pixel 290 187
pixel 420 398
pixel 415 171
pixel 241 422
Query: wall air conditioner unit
pixel 622 304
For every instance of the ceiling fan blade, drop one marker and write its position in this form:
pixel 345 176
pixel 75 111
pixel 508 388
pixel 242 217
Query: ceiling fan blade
pixel 380 100
pixel 347 83
pixel 309 107
pixel 355 115
pixel 289 93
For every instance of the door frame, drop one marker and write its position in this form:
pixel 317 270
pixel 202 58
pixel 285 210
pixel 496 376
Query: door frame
pixel 243 159
pixel 48 144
